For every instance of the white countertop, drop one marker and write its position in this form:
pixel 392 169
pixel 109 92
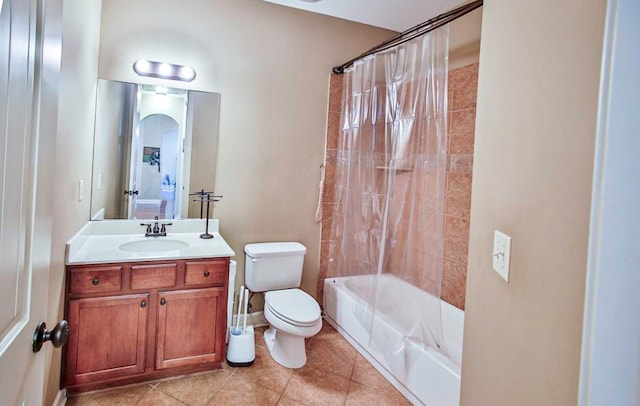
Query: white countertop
pixel 98 242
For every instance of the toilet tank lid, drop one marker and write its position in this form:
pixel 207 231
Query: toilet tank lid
pixel 271 249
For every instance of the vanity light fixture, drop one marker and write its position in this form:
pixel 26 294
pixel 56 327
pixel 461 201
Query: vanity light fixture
pixel 164 70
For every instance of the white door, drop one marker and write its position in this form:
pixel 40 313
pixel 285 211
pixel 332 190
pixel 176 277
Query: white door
pixel 29 67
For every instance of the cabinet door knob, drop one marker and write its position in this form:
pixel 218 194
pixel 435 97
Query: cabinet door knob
pixel 163 301
pixel 143 304
pixel 95 281
pixel 206 274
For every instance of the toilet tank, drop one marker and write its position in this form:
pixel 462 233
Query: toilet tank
pixel 273 265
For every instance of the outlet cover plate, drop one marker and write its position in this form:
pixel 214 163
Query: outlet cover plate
pixel 501 254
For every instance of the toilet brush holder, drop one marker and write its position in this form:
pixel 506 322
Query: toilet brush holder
pixel 241 351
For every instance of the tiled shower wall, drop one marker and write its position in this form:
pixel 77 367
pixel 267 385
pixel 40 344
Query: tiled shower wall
pixel 463 83
pixel 462 112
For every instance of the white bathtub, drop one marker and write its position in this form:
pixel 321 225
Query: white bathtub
pixel 424 377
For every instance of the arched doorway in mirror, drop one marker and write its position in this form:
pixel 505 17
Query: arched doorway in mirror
pixel 155 176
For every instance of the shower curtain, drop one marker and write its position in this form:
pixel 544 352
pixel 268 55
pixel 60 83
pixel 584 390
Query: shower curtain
pixel 390 188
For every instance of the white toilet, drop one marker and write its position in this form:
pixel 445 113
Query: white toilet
pixel 276 269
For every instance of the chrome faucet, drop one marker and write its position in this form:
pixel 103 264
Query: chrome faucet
pixel 158 230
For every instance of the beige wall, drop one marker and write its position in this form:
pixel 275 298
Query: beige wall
pixel 271 64
pixel 534 145
pixel 80 40
pixel 464 40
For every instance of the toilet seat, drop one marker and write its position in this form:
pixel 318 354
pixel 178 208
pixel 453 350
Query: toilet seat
pixel 293 306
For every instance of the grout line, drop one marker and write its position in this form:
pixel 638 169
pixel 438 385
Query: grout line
pixel 458 217
pixel 222 385
pixel 151 387
pixel 353 366
pixel 464 109
pixel 455 260
pixel 162 392
pixel 172 397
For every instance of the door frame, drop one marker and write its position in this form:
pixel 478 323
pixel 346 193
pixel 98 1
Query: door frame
pixel 610 367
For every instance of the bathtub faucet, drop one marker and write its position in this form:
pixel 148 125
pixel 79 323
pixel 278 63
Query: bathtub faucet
pixel 159 230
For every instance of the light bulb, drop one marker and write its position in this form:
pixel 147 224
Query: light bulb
pixel 187 73
pixel 142 66
pixel 164 69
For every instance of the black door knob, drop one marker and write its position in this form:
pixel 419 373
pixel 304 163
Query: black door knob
pixel 163 302
pixel 206 274
pixel 95 281
pixel 58 336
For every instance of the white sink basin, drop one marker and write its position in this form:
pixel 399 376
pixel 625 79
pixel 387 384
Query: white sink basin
pixel 153 245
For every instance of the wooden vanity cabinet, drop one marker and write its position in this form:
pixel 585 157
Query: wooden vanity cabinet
pixel 184 328
pixel 131 322
pixel 108 337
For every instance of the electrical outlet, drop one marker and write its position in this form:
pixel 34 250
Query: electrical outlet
pixel 501 254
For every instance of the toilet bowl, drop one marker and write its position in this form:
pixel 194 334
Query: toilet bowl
pixel 293 315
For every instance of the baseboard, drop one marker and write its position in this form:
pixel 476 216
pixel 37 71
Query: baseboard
pixel 255 319
pixel 61 398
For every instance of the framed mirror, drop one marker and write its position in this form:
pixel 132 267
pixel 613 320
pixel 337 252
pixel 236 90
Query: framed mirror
pixel 153 146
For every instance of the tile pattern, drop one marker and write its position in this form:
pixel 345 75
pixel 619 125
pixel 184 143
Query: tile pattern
pixel 462 95
pixel 335 374
pixel 463 84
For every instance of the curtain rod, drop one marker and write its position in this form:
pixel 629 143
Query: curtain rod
pixel 414 32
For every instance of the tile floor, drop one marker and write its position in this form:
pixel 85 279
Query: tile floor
pixel 335 374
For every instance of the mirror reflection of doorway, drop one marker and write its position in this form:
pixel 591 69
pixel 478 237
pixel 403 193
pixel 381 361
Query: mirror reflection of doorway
pixel 155 174
pixel 119 153
pixel 157 156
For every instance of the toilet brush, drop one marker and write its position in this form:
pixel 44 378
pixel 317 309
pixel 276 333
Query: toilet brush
pixel 236 330
pixel 246 307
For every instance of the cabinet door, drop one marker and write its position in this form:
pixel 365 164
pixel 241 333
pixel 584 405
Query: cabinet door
pixel 107 338
pixel 191 327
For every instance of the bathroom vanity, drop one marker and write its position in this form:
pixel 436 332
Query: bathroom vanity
pixel 143 307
